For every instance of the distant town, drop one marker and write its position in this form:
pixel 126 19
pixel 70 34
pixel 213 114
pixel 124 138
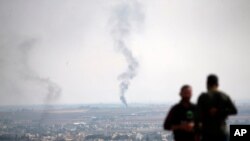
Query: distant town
pixel 101 122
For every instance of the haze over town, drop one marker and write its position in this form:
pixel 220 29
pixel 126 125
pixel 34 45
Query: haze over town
pixel 65 52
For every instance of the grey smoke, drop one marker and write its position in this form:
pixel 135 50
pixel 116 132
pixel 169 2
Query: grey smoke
pixel 53 90
pixel 126 16
pixel 20 84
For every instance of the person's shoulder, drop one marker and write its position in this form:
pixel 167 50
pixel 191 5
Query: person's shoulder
pixel 203 95
pixel 221 92
pixel 223 95
pixel 203 98
pixel 175 106
pixel 192 105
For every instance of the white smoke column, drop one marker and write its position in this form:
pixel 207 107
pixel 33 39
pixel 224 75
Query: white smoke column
pixel 126 16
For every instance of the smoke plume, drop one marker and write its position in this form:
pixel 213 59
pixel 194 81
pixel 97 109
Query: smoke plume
pixel 53 90
pixel 20 84
pixel 126 16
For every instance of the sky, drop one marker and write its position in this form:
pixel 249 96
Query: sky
pixel 70 52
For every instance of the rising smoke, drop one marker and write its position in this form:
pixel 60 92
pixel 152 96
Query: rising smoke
pixel 53 90
pixel 125 17
pixel 20 84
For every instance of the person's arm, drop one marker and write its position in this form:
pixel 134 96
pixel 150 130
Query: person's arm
pixel 170 123
pixel 169 120
pixel 188 127
pixel 199 113
pixel 230 109
pixel 227 107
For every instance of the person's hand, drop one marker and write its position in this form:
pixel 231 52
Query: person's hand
pixel 213 111
pixel 188 127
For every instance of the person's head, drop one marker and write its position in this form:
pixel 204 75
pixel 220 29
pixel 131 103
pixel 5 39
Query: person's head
pixel 186 92
pixel 212 81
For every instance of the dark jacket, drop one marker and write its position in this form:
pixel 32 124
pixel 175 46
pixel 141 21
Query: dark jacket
pixel 177 115
pixel 213 123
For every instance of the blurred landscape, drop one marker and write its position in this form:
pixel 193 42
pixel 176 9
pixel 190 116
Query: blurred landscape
pixel 61 52
pixel 96 122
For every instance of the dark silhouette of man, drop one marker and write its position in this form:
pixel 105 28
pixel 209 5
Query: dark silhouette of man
pixel 214 107
pixel 180 118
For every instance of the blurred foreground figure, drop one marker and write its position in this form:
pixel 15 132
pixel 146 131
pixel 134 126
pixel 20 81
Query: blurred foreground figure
pixel 214 107
pixel 180 118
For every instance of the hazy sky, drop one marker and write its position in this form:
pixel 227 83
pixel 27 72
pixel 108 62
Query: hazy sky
pixel 61 51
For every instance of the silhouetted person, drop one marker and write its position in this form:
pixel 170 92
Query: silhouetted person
pixel 180 118
pixel 214 107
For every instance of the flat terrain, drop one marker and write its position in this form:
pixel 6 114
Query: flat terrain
pixel 91 122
